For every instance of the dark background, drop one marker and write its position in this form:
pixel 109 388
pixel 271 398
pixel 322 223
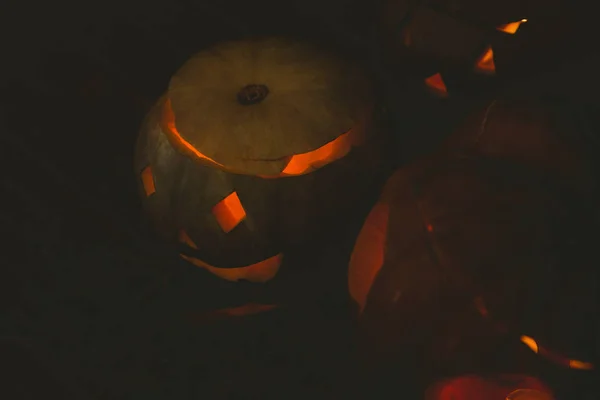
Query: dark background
pixel 88 295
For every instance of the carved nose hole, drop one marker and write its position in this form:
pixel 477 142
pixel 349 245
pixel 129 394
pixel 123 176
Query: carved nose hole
pixel 229 212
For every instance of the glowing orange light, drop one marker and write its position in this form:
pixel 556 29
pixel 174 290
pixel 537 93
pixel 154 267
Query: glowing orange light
pixel 530 342
pixel 485 64
pixel 175 137
pixel 368 255
pixel 575 364
pixel 512 27
pixel 148 181
pixel 298 164
pixel 229 212
pixel 303 163
pixel 554 357
pixel 259 272
pixel 437 85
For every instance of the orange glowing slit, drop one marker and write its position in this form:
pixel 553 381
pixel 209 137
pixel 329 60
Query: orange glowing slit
pixel 148 181
pixel 298 164
pixel 259 272
pixel 554 357
pixel 485 64
pixel 229 212
pixel 306 162
pixel 177 139
pixel 529 342
pixel 512 27
pixel 437 85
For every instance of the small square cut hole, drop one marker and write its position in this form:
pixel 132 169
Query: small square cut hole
pixel 148 181
pixel 229 212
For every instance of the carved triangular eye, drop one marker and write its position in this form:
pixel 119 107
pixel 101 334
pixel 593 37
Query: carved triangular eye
pixel 485 63
pixel 437 85
pixel 512 27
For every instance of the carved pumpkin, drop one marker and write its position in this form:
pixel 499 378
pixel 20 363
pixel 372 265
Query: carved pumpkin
pixel 485 216
pixel 257 146
pixel 460 43
pixel 553 309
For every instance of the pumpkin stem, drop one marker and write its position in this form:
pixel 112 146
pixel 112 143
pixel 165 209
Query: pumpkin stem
pixel 252 94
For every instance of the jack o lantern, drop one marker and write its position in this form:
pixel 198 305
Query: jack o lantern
pixel 257 146
pixel 503 204
pixel 457 45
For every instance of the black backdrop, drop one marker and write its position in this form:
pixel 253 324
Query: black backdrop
pixel 87 294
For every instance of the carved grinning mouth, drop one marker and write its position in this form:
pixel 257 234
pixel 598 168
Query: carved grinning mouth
pixel 259 272
pixel 298 164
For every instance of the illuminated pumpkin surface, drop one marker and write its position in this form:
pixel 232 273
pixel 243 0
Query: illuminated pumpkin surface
pixel 483 217
pixel 503 387
pixel 257 146
pixel 442 33
pixel 266 107
pixel 296 164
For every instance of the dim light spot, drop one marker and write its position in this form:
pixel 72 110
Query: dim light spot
pixel 437 85
pixel 235 312
pixel 512 27
pixel 429 228
pixel 148 181
pixel 175 137
pixel 407 39
pixel 368 255
pixel 185 239
pixel 575 364
pixel 481 307
pixel 259 272
pixel 485 64
pixel 246 309
pixel 300 164
pixel 531 343
pixel 229 212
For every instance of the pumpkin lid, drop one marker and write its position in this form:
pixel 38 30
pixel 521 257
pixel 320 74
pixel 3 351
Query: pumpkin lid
pixel 250 105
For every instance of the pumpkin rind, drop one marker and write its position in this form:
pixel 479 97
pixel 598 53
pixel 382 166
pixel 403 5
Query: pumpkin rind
pixel 505 200
pixel 273 215
pixel 312 99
